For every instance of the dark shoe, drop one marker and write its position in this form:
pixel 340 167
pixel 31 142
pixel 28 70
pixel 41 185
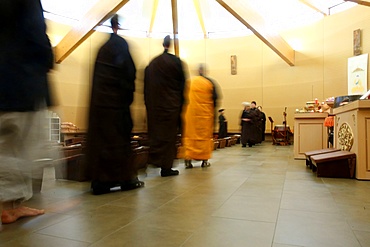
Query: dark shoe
pixel 244 145
pixel 205 163
pixel 188 164
pixel 99 188
pixel 100 191
pixel 131 185
pixel 169 172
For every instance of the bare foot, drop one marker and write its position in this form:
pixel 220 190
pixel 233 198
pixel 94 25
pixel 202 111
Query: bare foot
pixel 12 215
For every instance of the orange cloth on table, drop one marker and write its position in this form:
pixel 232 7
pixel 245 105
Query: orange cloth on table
pixel 329 121
pixel 198 116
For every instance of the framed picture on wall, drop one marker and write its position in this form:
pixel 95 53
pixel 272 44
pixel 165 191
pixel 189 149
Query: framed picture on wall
pixel 233 64
pixel 357 42
pixel 357 74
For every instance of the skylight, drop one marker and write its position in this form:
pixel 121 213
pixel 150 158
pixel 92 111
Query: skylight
pixel 136 16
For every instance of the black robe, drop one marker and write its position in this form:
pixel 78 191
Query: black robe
pixel 222 131
pixel 110 123
pixel 163 91
pixel 25 56
pixel 250 134
pixel 263 125
pixel 258 124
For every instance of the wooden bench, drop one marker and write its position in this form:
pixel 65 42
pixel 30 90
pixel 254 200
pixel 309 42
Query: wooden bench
pixel 316 152
pixel 72 166
pixel 228 141
pixel 140 157
pixel 339 164
pixel 215 144
pixel 222 143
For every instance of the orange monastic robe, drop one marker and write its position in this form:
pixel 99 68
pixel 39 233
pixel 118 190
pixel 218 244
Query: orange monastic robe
pixel 198 116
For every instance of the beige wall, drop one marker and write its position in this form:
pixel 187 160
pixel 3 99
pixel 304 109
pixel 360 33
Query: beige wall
pixel 320 69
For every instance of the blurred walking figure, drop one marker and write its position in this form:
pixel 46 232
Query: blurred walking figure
pixel 110 124
pixel 164 96
pixel 25 59
pixel 199 118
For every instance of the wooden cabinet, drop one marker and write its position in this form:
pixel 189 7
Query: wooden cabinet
pixel 309 133
pixel 352 133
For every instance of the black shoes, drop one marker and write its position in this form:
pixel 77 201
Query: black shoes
pixel 169 172
pixel 249 145
pixel 131 185
pixel 99 188
pixel 188 164
pixel 205 163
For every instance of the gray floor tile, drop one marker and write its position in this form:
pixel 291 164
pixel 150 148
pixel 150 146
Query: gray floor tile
pixel 259 196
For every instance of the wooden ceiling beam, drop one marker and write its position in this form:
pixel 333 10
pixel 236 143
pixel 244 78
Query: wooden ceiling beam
pixel 256 24
pixel 200 17
pixel 175 23
pixel 154 15
pixel 307 3
pixel 365 3
pixel 78 34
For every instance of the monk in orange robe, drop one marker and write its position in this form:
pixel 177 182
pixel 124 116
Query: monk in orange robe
pixel 199 118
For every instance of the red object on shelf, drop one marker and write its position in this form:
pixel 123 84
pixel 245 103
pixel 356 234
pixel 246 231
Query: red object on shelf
pixel 329 121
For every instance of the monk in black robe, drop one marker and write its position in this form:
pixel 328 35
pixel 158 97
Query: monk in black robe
pixel 250 135
pixel 258 122
pixel 110 124
pixel 263 123
pixel 163 91
pixel 222 130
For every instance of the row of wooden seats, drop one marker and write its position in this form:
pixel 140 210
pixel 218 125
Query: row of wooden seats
pixel 332 162
pixel 226 142
pixel 73 166
pixel 217 143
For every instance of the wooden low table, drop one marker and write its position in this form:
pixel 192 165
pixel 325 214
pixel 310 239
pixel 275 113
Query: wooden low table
pixel 317 152
pixel 340 164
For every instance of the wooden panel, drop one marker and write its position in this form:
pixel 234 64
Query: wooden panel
pixel 309 133
pixel 310 137
pixel 357 116
pixel 367 134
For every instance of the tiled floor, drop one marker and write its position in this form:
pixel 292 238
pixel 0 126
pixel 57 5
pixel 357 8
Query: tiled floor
pixel 257 197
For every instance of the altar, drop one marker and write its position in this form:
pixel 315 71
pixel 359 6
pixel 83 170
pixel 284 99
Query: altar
pixel 310 133
pixel 352 133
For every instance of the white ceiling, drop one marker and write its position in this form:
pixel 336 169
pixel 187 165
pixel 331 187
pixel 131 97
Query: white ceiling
pixel 136 15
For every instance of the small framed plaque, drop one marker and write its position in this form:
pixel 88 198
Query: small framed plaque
pixel 233 64
pixel 357 42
